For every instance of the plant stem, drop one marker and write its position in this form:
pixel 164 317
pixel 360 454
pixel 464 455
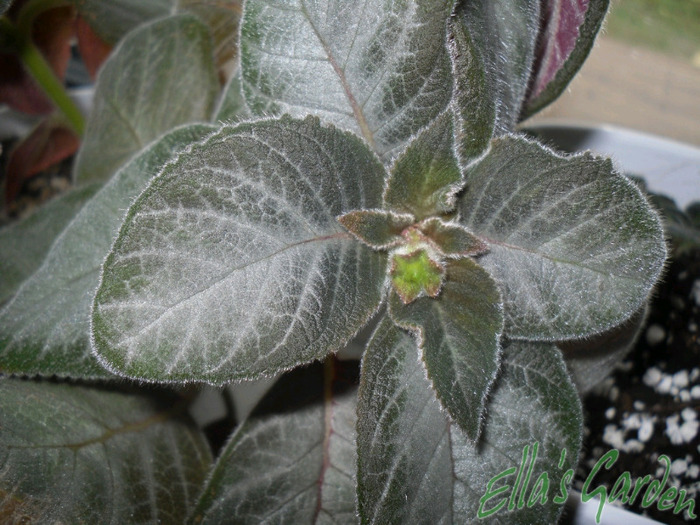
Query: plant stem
pixel 19 36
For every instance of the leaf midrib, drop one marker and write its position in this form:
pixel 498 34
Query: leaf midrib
pixel 209 286
pixel 356 108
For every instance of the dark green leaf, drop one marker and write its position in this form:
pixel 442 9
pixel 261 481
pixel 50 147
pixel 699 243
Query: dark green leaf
pixel 161 76
pixel 592 359
pixel 71 454
pixel 232 264
pixel 426 176
pixel 534 403
pixel 452 239
pixel 574 245
pixel 293 460
pixel 565 41
pixel 474 104
pixel 504 32
pixel 378 229
pixel 377 68
pixel 415 467
pixel 45 328
pixel 458 333
pixel 403 438
pixel 24 244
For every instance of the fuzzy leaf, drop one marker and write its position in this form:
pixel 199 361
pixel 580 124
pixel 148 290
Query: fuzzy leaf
pixel 593 359
pixel 415 275
pixel 24 244
pixel 570 28
pixel 45 329
pixel 73 454
pixel 452 239
pixel 474 105
pixel 574 245
pixel 403 443
pixel 378 229
pixel 377 68
pixel 415 467
pixel 426 176
pixel 533 403
pixel 293 460
pixel 504 32
pixel 232 263
pixel 232 106
pixel 458 333
pixel 160 76
pixel 112 19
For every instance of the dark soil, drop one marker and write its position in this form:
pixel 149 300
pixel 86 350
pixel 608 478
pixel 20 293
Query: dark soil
pixel 649 406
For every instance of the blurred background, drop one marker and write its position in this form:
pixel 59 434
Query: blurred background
pixel 643 73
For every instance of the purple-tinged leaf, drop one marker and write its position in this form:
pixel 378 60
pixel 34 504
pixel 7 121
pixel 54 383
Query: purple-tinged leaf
pixel 567 35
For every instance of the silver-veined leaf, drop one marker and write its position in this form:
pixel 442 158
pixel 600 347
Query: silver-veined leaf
pixel 459 336
pixel 574 245
pixel 377 68
pixel 45 328
pixel 161 76
pixel 414 466
pixel 74 454
pixel 504 32
pixel 232 263
pixel 293 460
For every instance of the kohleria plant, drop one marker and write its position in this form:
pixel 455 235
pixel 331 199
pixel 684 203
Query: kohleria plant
pixel 360 168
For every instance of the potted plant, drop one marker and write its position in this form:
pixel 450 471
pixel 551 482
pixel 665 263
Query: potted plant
pixel 358 170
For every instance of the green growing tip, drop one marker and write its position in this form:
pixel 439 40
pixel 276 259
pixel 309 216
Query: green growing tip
pixel 415 273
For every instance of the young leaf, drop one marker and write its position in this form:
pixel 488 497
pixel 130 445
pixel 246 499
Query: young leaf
pixel 160 76
pixel 426 176
pixel 566 39
pixel 378 229
pixel 474 105
pixel 574 245
pixel 293 460
pixel 24 244
pixel 377 68
pixel 452 239
pixel 45 329
pixel 534 404
pixel 415 467
pixel 73 454
pixel 458 333
pixel 504 32
pixel 232 264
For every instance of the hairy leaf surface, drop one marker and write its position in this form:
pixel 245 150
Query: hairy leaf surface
pixel 45 329
pixel 24 244
pixel 416 467
pixel 458 333
pixel 294 459
pixel 574 245
pixel 377 68
pixel 570 28
pixel 504 32
pixel 474 104
pixel 72 454
pixel 232 263
pixel 426 176
pixel 162 75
